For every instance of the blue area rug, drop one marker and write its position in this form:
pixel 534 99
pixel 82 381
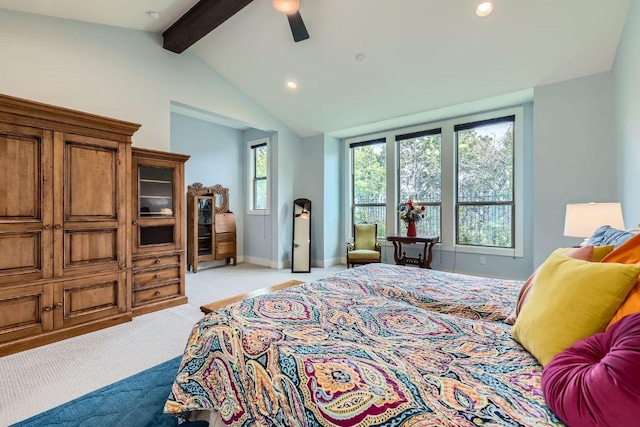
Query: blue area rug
pixel 135 401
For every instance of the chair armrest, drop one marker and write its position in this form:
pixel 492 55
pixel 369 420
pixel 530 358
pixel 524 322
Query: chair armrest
pixel 378 247
pixel 350 247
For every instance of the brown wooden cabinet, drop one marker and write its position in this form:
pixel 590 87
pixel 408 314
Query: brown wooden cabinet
pixel 63 223
pixel 157 230
pixel 224 238
pixel 211 228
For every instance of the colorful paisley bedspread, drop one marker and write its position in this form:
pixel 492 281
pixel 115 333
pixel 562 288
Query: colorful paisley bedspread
pixel 377 345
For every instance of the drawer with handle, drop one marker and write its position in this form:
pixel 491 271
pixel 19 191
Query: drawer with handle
pixel 154 294
pixel 157 261
pixel 149 277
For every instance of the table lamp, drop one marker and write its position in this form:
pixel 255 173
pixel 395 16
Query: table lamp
pixel 582 219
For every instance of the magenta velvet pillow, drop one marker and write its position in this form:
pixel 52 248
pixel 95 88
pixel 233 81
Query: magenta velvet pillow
pixel 596 381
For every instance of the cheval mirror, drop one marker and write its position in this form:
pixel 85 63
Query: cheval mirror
pixel 301 248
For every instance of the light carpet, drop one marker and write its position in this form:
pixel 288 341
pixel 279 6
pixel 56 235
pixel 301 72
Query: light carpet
pixel 39 379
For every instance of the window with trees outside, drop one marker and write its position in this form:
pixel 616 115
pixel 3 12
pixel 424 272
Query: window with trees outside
pixel 467 172
pixel 485 205
pixel 420 176
pixel 369 180
pixel 259 166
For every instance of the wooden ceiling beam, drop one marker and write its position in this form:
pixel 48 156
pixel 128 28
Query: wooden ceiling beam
pixel 199 21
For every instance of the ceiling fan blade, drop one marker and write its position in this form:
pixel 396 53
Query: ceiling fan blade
pixel 298 28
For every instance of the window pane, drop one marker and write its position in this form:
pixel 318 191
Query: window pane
pixel 485 225
pixel 420 169
pixel 260 192
pixel 369 174
pixel 485 163
pixel 261 161
pixel 420 179
pixel 372 214
pixel 429 225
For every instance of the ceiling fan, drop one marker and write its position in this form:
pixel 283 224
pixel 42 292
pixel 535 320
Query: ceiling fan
pixel 290 8
pixel 209 14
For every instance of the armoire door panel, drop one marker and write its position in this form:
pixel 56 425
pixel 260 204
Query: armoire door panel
pixel 89 233
pixel 25 311
pixel 20 176
pixel 92 182
pixel 89 298
pixel 25 253
pixel 20 252
pixel 87 247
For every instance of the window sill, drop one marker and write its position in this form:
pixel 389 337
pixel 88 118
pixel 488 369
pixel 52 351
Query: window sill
pixel 510 252
pixel 259 212
pixel 467 249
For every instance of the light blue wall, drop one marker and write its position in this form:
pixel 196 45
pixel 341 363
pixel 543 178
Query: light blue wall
pixel 216 158
pixel 574 155
pixel 333 219
pixel 626 77
pixel 318 178
pixel 309 183
pixel 216 155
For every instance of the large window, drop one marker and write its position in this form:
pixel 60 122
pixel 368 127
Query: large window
pixel 369 180
pixel 485 204
pixel 259 167
pixel 467 172
pixel 420 176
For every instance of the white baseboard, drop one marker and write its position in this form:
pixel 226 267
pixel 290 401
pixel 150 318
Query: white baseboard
pixel 287 264
pixel 279 265
pixel 257 261
pixel 328 262
pixel 268 263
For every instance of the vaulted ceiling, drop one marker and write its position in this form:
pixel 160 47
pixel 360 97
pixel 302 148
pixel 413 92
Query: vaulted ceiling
pixel 420 55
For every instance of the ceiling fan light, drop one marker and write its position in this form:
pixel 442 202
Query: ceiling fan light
pixel 484 8
pixel 287 7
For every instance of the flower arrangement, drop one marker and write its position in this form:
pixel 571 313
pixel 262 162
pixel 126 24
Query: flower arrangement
pixel 410 213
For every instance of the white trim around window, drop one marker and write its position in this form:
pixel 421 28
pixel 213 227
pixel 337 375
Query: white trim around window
pixel 251 178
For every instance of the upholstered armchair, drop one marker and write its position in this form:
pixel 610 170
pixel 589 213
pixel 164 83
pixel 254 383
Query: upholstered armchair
pixel 365 248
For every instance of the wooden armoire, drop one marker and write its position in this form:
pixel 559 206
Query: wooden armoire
pixel 65 223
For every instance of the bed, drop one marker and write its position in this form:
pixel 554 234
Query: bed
pixel 375 345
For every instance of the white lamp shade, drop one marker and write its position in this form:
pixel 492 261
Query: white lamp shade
pixel 286 6
pixel 582 219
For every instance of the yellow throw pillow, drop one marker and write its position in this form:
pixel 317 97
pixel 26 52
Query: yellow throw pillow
pixel 600 252
pixel 582 252
pixel 571 299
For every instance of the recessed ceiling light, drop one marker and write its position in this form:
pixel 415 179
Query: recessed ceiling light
pixel 153 14
pixel 287 7
pixel 361 57
pixel 484 8
pixel 292 85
